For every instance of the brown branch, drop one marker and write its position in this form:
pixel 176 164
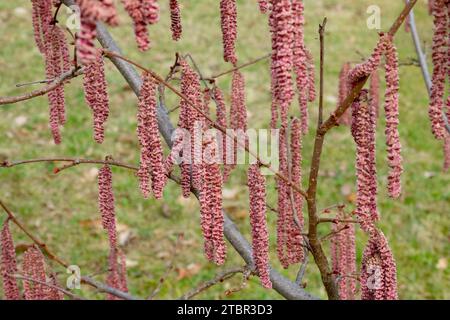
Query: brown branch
pixel 39 92
pixel 314 241
pixel 207 117
pixel 333 233
pixel 66 292
pixel 322 58
pixel 227 274
pixel 336 220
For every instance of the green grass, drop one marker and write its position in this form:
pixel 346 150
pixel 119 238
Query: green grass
pixel 59 207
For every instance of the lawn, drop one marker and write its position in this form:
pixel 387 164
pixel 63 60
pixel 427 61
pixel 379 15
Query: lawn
pixel 62 208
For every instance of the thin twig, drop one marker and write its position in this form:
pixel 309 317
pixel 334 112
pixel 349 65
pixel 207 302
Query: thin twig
pixel 249 63
pixel 39 92
pixel 302 270
pixel 322 61
pixel 50 285
pixel 336 220
pixel 227 274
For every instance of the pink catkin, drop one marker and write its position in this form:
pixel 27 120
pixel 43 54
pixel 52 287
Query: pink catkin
pixel 96 95
pixel 53 293
pixel 221 119
pixel 41 17
pixel 106 204
pixel 228 23
pixel 281 28
pixel 284 207
pixel 152 158
pixel 440 64
pixel 343 258
pixel 300 61
pixel 260 235
pixel 295 230
pixel 33 266
pixel 343 91
pixel 122 270
pixel 175 20
pixel 363 131
pixel 391 113
pixel 374 92
pixel 311 77
pixel 378 271
pixel 150 9
pixel 212 219
pixel 263 5
pixel 135 11
pixel 189 120
pixel 8 265
pixel 238 115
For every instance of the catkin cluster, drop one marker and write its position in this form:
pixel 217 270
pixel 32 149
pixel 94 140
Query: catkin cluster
pixel 228 23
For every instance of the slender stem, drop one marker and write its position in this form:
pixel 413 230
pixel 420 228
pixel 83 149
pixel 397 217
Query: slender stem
pixel 336 220
pixel 322 58
pixel 249 63
pixel 39 92
pixel 207 117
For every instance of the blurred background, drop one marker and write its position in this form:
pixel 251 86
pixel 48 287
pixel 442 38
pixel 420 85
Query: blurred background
pixel 62 209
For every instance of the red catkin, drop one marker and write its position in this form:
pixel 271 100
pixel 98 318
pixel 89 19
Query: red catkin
pixel 343 91
pixel 91 12
pixel 175 20
pixel 260 235
pixel 280 22
pixel 122 270
pixel 134 10
pixel 41 17
pixel 311 76
pixel 228 23
pixel 106 204
pixel 190 88
pixel 378 271
pixel 96 95
pixel 152 157
pixel 221 119
pixel 391 113
pixel 212 219
pixel 263 6
pixel 296 253
pixel 343 258
pixel 238 115
pixel 440 64
pixel 374 92
pixel 284 205
pixel 33 266
pixel 8 265
pixel 53 293
pixel 300 61
pixel 363 132
pixel 150 9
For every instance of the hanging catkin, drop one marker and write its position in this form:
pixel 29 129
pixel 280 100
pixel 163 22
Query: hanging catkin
pixel 263 6
pixel 151 165
pixel 391 112
pixel 238 117
pixel 343 257
pixel 134 10
pixel 212 219
pixel 41 14
pixel 8 264
pixel 228 23
pixel 378 271
pixel 374 92
pixel 175 20
pixel 96 95
pixel 280 22
pixel 300 61
pixel 284 206
pixel 260 235
pixel 106 204
pixel 90 13
pixel 296 224
pixel 440 64
pixel 190 88
pixel 221 120
pixel 33 266
pixel 363 131
pixel 343 91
